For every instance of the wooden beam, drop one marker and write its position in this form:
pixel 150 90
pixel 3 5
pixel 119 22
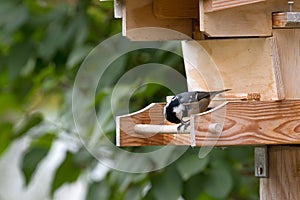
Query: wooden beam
pixel 167 9
pixel 283 181
pixel 215 5
pixel 140 24
pixel 245 123
pixel 288 41
pixel 254 123
pixel 242 21
pixel 284 174
pixel 254 19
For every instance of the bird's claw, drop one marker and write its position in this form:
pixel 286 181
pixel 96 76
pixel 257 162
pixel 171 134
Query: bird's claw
pixel 185 125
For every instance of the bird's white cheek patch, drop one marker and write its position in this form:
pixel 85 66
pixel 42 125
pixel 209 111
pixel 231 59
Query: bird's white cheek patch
pixel 178 110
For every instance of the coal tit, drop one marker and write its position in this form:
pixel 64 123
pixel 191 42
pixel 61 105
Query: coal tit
pixel 185 104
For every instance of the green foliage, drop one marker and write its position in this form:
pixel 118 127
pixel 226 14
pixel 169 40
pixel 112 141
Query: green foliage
pixel 219 183
pixel 6 136
pixel 68 172
pixel 167 185
pixel 99 190
pixel 190 165
pixel 37 150
pixel 29 122
pixel 42 44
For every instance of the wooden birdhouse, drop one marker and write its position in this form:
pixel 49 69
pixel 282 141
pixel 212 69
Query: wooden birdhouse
pixel 254 47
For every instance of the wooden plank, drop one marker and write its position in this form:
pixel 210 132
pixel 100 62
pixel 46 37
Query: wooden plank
pixel 286 20
pixel 245 123
pixel 253 123
pixel 176 8
pixel 140 24
pixel 284 162
pixel 242 21
pixel 288 41
pixel 153 114
pixel 284 174
pixel 244 65
pixel 215 5
pixel 118 4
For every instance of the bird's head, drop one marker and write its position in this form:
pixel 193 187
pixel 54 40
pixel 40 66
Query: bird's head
pixel 169 112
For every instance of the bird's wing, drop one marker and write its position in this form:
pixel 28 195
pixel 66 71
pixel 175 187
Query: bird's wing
pixel 201 95
pixel 191 97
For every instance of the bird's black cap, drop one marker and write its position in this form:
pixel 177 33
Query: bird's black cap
pixel 170 115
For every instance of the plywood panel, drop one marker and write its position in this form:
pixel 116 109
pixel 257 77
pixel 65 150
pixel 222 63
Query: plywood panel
pixel 139 14
pixel 215 5
pixel 288 43
pixel 244 65
pixel 176 8
pixel 249 20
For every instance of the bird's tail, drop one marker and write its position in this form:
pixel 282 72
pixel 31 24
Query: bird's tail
pixel 214 93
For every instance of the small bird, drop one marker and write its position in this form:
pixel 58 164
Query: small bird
pixel 185 104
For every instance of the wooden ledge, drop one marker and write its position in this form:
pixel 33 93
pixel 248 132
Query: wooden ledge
pixel 242 123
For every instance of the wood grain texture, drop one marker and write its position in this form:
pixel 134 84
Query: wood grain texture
pixel 244 65
pixel 139 23
pixel 167 9
pixel 284 174
pixel 153 114
pixel 253 123
pixel 254 19
pixel 245 123
pixel 288 43
pixel 215 5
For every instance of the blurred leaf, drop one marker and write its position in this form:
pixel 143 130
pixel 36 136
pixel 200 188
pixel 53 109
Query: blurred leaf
pixel 83 158
pixel 68 172
pixel 218 183
pixel 97 191
pixel 193 187
pixel 31 160
pixel 5 136
pixel 7 102
pixel 205 196
pixel 12 16
pixel 44 141
pixel 52 41
pixel 77 55
pixel 29 122
pixel 17 59
pixel 121 179
pixel 133 193
pixel 28 67
pixel 167 185
pixel 189 165
pixel 111 75
pixel 38 149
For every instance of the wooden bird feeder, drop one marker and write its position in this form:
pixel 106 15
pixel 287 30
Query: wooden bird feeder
pixel 255 47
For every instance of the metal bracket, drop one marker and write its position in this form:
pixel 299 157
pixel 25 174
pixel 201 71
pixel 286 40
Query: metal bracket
pixel 261 161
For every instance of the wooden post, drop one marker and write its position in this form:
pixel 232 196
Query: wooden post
pixel 284 174
pixel 284 161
